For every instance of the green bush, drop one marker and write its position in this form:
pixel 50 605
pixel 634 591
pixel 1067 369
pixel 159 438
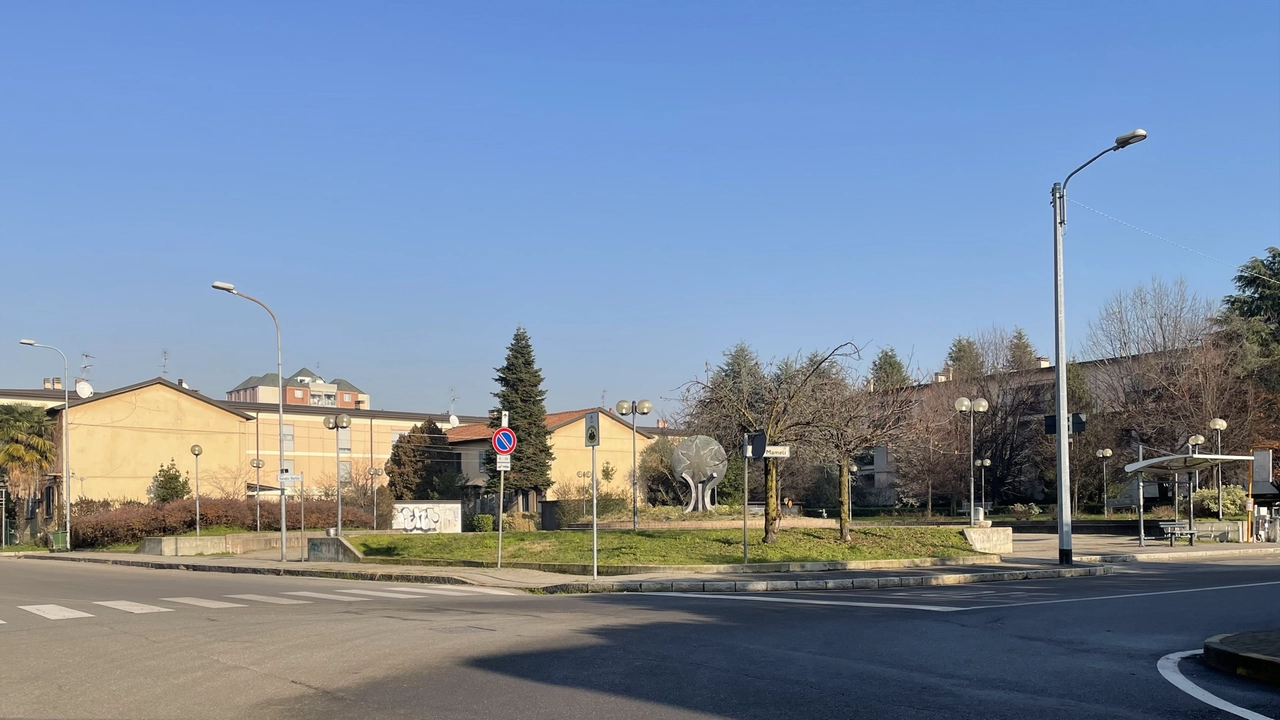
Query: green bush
pixel 168 485
pixel 520 522
pixel 1206 501
pixel 480 523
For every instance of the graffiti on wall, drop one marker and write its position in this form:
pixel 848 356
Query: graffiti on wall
pixel 441 516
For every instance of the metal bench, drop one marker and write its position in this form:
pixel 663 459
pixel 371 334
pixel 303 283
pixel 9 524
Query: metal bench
pixel 1175 530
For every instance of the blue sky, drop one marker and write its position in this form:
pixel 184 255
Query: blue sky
pixel 640 185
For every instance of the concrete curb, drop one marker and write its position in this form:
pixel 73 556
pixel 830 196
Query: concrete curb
pixel 731 586
pixel 1178 555
pixel 1219 654
pixel 776 567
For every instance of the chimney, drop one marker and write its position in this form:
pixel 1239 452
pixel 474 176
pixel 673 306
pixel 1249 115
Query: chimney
pixel 48 383
pixel 1043 361
pixel 57 383
pixel 940 377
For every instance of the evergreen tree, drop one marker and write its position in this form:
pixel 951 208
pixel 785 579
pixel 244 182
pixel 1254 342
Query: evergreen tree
pixel 422 466
pixel 888 372
pixel 520 393
pixel 168 484
pixel 1021 354
pixel 965 359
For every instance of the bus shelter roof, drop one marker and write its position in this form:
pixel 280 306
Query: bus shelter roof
pixel 1173 464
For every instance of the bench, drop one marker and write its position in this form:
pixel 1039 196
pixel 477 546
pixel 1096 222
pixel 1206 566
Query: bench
pixel 1175 530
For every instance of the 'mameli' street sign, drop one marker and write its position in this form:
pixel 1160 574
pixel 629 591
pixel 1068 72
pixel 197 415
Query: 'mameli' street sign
pixel 777 451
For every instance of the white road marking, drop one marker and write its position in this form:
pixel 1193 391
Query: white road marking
pixel 325 596
pixel 799 601
pixel 378 593
pixel 201 602
pixel 54 612
pixel 132 607
pixel 1121 597
pixel 1168 667
pixel 270 599
pixel 427 591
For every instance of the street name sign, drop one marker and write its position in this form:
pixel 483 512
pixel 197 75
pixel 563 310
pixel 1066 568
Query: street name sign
pixel 290 479
pixel 504 441
pixel 777 451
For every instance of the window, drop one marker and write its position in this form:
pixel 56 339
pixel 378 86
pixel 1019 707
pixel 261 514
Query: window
pixel 344 440
pixel 344 472
pixel 346 397
pixel 288 438
pixel 298 393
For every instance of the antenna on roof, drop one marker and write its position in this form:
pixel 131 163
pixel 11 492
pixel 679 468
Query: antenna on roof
pixel 164 363
pixel 85 364
pixel 453 398
pixel 604 395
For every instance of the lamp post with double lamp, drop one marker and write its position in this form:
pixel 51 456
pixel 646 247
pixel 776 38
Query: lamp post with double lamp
pixel 1059 202
pixel 1218 425
pixel 977 405
pixel 338 423
pixel 983 464
pixel 197 451
pixel 374 474
pixel 634 408
pixel 257 489
pixel 65 450
pixel 229 288
pixel 1104 454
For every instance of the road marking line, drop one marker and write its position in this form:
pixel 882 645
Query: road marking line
pixel 378 593
pixel 324 596
pixel 1121 597
pixel 1168 667
pixel 426 591
pixel 54 612
pixel 270 599
pixel 798 601
pixel 132 607
pixel 201 602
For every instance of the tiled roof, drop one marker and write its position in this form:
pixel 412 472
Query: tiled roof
pixel 345 386
pixel 555 421
pixel 466 433
pixel 253 381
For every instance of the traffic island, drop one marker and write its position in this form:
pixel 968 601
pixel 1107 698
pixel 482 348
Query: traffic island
pixel 1255 655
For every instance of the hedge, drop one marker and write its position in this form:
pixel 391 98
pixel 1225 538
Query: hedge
pixel 129 523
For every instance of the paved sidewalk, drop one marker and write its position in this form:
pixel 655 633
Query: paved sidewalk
pixel 1251 654
pixel 1036 548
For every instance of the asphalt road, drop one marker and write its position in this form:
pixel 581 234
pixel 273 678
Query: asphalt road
pixel 176 644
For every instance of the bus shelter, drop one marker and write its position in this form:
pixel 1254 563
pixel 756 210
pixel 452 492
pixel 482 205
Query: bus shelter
pixel 1172 469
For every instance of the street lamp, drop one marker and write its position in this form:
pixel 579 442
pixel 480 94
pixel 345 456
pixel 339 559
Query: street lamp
pixel 66 441
pixel 257 489
pixel 1059 202
pixel 196 450
pixel 229 288
pixel 984 463
pixel 1218 425
pixel 634 408
pixel 374 474
pixel 978 405
pixel 338 423
pixel 1103 455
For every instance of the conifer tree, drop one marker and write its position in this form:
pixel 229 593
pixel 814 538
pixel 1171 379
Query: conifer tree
pixel 888 371
pixel 520 393
pixel 421 466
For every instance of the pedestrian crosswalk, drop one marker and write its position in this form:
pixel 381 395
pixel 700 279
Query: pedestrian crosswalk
pixel 244 600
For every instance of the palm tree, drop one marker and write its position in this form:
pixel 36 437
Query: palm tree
pixel 26 442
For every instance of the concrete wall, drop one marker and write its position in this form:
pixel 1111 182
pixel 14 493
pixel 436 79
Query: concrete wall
pixel 170 546
pixel 332 549
pixel 997 541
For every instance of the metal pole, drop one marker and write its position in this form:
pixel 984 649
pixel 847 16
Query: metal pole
pixel 635 474
pixel 595 545
pixel 972 515
pixel 1217 471
pixel 337 469
pixel 1060 380
pixel 746 464
pixel 302 520
pixel 257 470
pixel 1142 526
pixel 502 482
pixel 372 476
pixel 197 496
pixel 66 445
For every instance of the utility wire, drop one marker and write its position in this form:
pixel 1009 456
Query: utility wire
pixel 1238 269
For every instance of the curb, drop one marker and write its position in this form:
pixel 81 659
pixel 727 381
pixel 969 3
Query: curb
pixel 1218 654
pixel 774 567
pixel 731 586
pixel 1180 555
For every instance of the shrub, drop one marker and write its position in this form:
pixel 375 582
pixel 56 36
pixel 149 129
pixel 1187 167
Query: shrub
pixel 520 522
pixel 479 523
pixel 1024 512
pixel 1206 501
pixel 168 484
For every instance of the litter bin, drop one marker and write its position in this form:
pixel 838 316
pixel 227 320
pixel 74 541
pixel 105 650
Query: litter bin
pixel 59 539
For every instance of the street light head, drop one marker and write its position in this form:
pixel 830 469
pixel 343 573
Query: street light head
pixel 344 421
pixel 225 287
pixel 962 404
pixel 980 405
pixel 644 407
pixel 1195 440
pixel 1218 424
pixel 1130 138
pixel 197 450
pixel 986 462
pixel 330 422
pixel 623 407
pixel 25 341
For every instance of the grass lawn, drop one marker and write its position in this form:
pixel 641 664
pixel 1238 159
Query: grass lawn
pixel 23 548
pixel 672 547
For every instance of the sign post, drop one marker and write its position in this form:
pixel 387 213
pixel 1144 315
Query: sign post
pixel 592 441
pixel 504 443
pixel 286 480
pixel 753 447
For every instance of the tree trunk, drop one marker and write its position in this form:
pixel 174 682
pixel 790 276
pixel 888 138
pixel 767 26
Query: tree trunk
pixel 845 536
pixel 928 507
pixel 771 510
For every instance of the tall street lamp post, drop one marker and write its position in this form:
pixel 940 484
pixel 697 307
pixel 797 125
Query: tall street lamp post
pixel 374 474
pixel 983 464
pixel 1194 442
pixel 1218 425
pixel 66 441
pixel 338 423
pixel 197 451
pixel 978 405
pixel 634 408
pixel 257 490
pixel 1059 195
pixel 1104 454
pixel 229 288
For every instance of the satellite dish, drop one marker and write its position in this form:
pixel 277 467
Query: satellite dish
pixel 453 421
pixel 84 389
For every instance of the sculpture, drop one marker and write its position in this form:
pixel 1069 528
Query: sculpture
pixel 701 462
